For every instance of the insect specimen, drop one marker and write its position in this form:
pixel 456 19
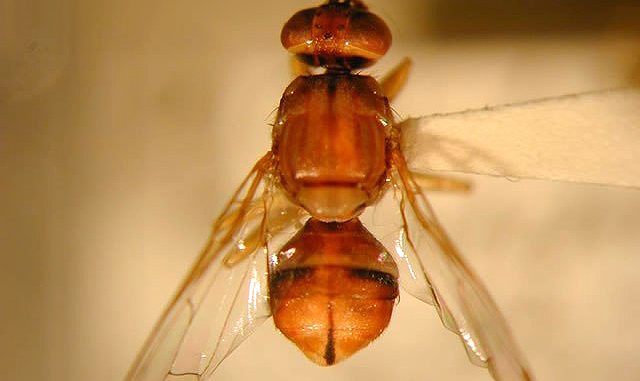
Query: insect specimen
pixel 290 243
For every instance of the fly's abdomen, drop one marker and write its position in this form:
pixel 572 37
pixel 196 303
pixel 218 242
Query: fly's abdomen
pixel 332 289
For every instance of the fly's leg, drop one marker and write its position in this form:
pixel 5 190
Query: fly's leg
pixel 432 182
pixel 282 215
pixel 395 80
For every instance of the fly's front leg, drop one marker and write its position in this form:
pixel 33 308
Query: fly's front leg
pixel 395 80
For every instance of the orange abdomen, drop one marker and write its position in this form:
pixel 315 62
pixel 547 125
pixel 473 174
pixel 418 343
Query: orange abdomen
pixel 329 140
pixel 332 289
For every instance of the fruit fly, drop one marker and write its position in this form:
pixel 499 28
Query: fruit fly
pixel 290 243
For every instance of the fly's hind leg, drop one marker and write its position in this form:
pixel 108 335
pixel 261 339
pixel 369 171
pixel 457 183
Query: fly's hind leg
pixel 279 215
pixel 395 80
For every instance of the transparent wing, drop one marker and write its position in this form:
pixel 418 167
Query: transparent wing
pixel 435 273
pixel 484 141
pixel 224 297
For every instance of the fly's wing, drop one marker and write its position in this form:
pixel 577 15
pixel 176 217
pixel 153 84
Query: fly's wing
pixel 482 141
pixel 435 273
pixel 224 298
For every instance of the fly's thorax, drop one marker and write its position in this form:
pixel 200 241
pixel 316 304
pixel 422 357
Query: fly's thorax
pixel 332 289
pixel 331 143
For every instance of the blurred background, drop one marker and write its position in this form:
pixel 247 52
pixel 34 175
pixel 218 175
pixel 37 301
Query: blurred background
pixel 124 127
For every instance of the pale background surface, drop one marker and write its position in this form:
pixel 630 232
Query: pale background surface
pixel 124 126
